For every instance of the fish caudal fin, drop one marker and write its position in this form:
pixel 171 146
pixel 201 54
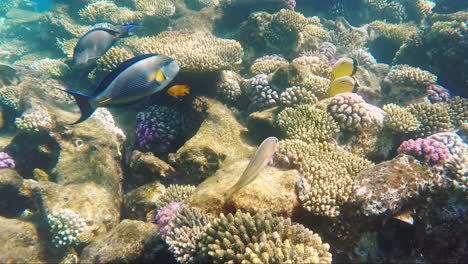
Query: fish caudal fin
pixel 125 30
pixel 83 103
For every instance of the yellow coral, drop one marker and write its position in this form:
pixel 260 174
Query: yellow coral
pixel 156 8
pixel 195 52
pixel 399 119
pixel 108 11
pixel 397 32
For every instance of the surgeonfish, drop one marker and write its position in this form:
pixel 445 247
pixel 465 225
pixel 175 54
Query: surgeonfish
pixel 130 81
pixel 178 90
pixel 344 67
pixel 262 156
pixel 343 84
pixel 96 42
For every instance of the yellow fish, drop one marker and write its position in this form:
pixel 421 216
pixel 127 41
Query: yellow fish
pixel 259 161
pixel 343 84
pixel 344 67
pixel 178 90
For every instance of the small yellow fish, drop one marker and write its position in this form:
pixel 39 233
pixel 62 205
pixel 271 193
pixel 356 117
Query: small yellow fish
pixel 405 217
pixel 343 84
pixel 344 67
pixel 178 90
pixel 259 161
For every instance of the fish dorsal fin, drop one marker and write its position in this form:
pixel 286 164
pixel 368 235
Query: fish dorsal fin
pixel 119 69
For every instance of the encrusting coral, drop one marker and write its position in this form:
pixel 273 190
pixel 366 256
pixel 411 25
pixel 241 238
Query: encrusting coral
pixel 174 193
pixel 242 238
pixel 307 123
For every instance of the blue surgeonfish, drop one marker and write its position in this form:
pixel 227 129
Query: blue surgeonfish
pixel 262 156
pixel 130 81
pixel 96 42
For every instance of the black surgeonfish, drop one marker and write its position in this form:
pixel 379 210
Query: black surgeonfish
pixel 97 42
pixel 130 81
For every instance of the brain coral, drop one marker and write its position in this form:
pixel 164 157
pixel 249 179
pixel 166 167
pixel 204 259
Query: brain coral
pixel 399 119
pixel 327 171
pixel 195 52
pixel 174 193
pixel 353 113
pixel 434 118
pixel 242 238
pixel 307 123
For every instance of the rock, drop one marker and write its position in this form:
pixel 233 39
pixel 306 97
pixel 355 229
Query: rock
pixel 146 167
pixel 388 186
pixel 262 124
pixel 272 191
pixel 218 142
pixel 9 178
pixel 126 243
pixel 12 202
pixel 20 242
pixel 138 202
pixel 96 204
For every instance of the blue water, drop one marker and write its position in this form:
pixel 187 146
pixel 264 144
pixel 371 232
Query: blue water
pixel 43 5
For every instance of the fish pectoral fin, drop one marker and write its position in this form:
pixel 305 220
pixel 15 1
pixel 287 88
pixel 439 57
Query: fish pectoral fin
pixel 160 76
pixel 105 101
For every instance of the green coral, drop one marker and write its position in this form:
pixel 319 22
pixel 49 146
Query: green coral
pixel 296 96
pixel 399 119
pixel 174 193
pixel 328 174
pixel 307 123
pixel 185 229
pixel 434 118
pixel 195 52
pixel 242 238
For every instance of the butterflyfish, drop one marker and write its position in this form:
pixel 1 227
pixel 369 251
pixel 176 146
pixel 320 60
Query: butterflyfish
pixel 179 90
pixel 343 84
pixel 344 67
pixel 96 42
pixel 262 156
pixel 129 82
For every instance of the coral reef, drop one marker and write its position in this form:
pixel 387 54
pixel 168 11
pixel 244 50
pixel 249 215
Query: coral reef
pixel 174 193
pixel 437 93
pixel 399 119
pixel 431 151
pixel 260 238
pixel 65 226
pixel 228 86
pixel 261 93
pixel 267 64
pixel 36 119
pixel 164 216
pixel 434 118
pixel 297 95
pixel 307 123
pixel 113 57
pixel 6 161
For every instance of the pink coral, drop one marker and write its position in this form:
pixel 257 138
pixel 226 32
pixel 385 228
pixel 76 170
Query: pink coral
pixel 291 4
pixel 165 215
pixel 437 93
pixel 430 150
pixel 274 57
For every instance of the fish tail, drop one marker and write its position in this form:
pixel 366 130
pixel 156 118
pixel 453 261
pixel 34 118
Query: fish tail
pixel 125 30
pixel 83 103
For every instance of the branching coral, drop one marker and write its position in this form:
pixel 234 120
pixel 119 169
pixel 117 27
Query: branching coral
pixel 174 193
pixel 65 226
pixel 458 110
pixel 284 28
pixel 112 58
pixel 410 76
pixel 434 118
pixel 431 151
pixel 328 172
pixel 195 52
pixel 200 4
pixel 399 119
pixel 156 8
pixel 10 97
pixel 296 96
pixel 391 10
pixel 184 231
pixel 353 113
pixel 363 57
pixel 52 67
pixel 267 64
pixel 228 86
pixel 242 238
pixel 307 123
pixel 165 215
pixel 261 93
pixel 108 11
pixel 315 64
pixel 399 33
pixel 34 120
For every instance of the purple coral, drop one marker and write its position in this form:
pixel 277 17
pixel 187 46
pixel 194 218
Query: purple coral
pixel 6 161
pixel 437 93
pixel 149 136
pixel 430 150
pixel 165 215
pixel 291 4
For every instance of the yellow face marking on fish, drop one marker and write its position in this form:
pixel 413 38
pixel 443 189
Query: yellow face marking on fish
pixel 160 76
pixel 105 101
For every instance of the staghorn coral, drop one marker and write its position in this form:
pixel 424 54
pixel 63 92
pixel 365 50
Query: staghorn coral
pixel 174 193
pixel 458 111
pixel 353 113
pixel 54 68
pixel 267 64
pixel 261 93
pixel 430 150
pixel 34 120
pixel 113 57
pixel 228 86
pixel 195 52
pixel 315 64
pixel 296 96
pixel 327 171
pixel 242 238
pixel 156 8
pixel 65 226
pixel 164 216
pixel 307 123
pixel 184 232
pixel 399 119
pixel 434 118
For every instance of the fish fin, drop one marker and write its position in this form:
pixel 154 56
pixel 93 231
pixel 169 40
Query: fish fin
pixel 105 101
pixel 125 30
pixel 160 76
pixel 83 103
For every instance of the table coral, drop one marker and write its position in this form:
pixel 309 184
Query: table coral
pixel 174 193
pixel 353 113
pixel 399 119
pixel 261 239
pixel 305 122
pixel 195 52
